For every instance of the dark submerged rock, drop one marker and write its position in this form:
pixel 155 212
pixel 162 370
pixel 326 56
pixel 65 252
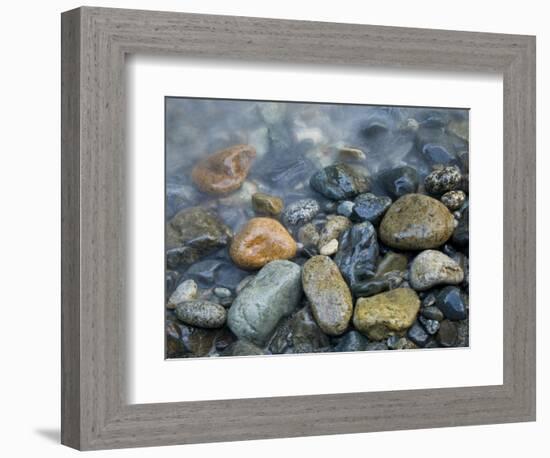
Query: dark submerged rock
pixel 461 234
pixel 418 334
pixel 453 303
pixel 369 207
pixel 339 182
pixel 447 335
pixel 351 341
pixel 399 181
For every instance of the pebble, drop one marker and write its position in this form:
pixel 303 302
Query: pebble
pixel 428 300
pixel 308 236
pixel 328 294
pixel 345 208
pixel 418 334
pixel 431 326
pixel 264 204
pixel 447 335
pixel 392 262
pixel 387 313
pixel 333 229
pixel 225 170
pixel 399 181
pixel 274 293
pixel 453 200
pixel 379 284
pixel 260 241
pixel 351 341
pixel 242 348
pixel 350 153
pixel 369 207
pixel 193 233
pixel 186 291
pixel 431 268
pixel 358 254
pixel 203 314
pixel 330 248
pixel 432 313
pixel 400 343
pixel 443 179
pixel 300 212
pixel 416 222
pixel 452 303
pixel 222 293
pixel 339 182
pixel 376 346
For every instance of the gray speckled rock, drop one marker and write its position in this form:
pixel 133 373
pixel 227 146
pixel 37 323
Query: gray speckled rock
pixel 416 222
pixel 370 207
pixel 453 200
pixel 329 295
pixel 443 179
pixel 203 314
pixel 333 228
pixel 431 268
pixel 300 212
pixel 339 182
pixel 273 293
pixel 185 291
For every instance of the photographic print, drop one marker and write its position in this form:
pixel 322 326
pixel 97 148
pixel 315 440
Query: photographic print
pixel 305 227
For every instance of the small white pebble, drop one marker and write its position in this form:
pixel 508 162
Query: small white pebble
pixel 330 248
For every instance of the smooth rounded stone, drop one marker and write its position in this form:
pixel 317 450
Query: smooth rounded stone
pixel 274 293
pixel 418 334
pixel 431 326
pixel 330 248
pixel 345 208
pixel 369 207
pixel 399 181
pixel 225 170
pixel 308 236
pixel 358 254
pixel 192 234
pixel 222 293
pixel 428 299
pixel 431 268
pixel 392 262
pixel 339 182
pixel 264 204
pixel 416 222
pixel 435 146
pixel 329 296
pixel 387 313
pixel 400 343
pixel 432 313
pixel 376 346
pixel 379 284
pixel 453 303
pixel 300 212
pixel 351 341
pixel 443 179
pixel 461 234
pixel 333 229
pixel 186 291
pixel 203 314
pixel 260 241
pixel 453 200
pixel 350 153
pixel 242 348
pixel 447 335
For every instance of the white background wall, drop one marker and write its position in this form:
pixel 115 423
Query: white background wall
pixel 29 228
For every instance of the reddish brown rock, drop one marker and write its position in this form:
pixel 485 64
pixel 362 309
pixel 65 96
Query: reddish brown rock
pixel 260 241
pixel 225 170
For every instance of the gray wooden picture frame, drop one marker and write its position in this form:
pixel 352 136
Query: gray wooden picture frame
pixel 95 413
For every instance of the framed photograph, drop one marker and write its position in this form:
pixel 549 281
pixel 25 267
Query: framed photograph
pixel 277 228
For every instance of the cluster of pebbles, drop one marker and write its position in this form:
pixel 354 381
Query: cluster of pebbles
pixel 353 261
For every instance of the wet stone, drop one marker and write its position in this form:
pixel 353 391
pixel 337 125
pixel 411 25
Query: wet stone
pixel 333 229
pixel 418 334
pixel 453 200
pixel 186 291
pixel 265 204
pixel 242 348
pixel 300 212
pixel 442 180
pixel 463 333
pixel 215 272
pixel 432 313
pixel 431 268
pixel 339 182
pixel 225 170
pixel 447 335
pixel 349 153
pixel 345 208
pixel 222 293
pixel 416 222
pixel 376 346
pixel 461 233
pixel 358 254
pixel 330 248
pixel 203 314
pixel 400 343
pixel 351 341
pixel 328 294
pixel 399 181
pixel 308 236
pixel 369 207
pixel 453 303
pixel 431 326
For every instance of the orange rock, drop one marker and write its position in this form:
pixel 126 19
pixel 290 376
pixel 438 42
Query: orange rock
pixel 225 170
pixel 260 241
